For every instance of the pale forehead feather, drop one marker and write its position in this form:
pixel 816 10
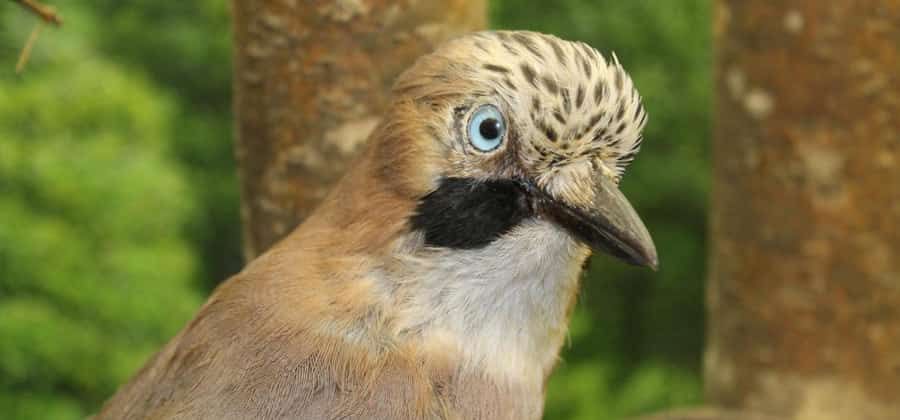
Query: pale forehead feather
pixel 572 101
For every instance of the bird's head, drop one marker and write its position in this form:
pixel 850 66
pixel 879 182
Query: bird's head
pixel 499 127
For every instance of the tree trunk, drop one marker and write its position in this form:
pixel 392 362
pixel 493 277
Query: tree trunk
pixel 804 291
pixel 311 80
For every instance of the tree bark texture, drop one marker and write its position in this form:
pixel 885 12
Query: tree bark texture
pixel 804 291
pixel 311 81
pixel 707 413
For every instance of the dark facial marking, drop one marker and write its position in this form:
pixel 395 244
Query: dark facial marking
pixel 509 47
pixel 599 92
pixel 556 160
pixel 464 213
pixel 598 136
pixel 637 143
pixel 529 74
pixel 621 112
pixel 596 119
pixel 496 69
pixel 559 116
pixel 579 97
pixel 543 151
pixel 550 133
pixel 584 64
pixel 550 84
pixel 529 44
pixel 588 51
pixel 557 49
pixel 567 101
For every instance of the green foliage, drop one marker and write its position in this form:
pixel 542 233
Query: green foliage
pixel 95 271
pixel 118 209
pixel 184 48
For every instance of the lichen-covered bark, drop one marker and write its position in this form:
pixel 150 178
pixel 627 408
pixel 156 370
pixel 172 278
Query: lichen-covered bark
pixel 311 80
pixel 804 292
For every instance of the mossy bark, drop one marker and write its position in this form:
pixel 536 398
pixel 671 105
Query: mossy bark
pixel 311 80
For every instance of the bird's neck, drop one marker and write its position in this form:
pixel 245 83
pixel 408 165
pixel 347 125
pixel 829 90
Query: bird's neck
pixel 500 310
pixel 503 308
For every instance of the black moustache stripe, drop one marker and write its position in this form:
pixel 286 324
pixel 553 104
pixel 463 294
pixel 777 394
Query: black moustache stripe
pixel 464 213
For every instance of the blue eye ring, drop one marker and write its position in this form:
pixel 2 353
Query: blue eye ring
pixel 486 128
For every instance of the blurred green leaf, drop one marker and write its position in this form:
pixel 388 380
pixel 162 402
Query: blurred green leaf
pixel 95 269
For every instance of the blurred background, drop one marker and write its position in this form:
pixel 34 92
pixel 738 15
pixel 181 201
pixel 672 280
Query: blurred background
pixel 119 199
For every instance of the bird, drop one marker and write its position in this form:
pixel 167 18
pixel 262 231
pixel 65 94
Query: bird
pixel 437 278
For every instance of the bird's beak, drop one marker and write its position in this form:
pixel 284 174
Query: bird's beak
pixel 607 223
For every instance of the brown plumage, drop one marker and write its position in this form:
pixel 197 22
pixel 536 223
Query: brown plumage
pixel 436 280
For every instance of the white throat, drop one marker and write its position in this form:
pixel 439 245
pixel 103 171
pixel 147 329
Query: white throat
pixel 504 307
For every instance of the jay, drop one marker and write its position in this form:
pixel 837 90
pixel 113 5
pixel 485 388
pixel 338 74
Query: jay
pixel 437 278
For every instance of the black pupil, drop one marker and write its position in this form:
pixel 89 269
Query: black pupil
pixel 489 129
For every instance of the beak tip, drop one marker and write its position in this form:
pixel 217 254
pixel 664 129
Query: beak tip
pixel 647 259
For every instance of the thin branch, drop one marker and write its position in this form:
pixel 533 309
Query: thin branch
pixel 47 13
pixel 26 51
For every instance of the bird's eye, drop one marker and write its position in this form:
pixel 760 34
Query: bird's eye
pixel 486 128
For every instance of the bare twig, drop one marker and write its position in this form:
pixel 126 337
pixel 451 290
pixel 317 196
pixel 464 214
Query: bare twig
pixel 26 50
pixel 47 13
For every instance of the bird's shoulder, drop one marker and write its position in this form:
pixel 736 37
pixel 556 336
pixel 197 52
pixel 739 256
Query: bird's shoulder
pixel 293 336
pixel 254 353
